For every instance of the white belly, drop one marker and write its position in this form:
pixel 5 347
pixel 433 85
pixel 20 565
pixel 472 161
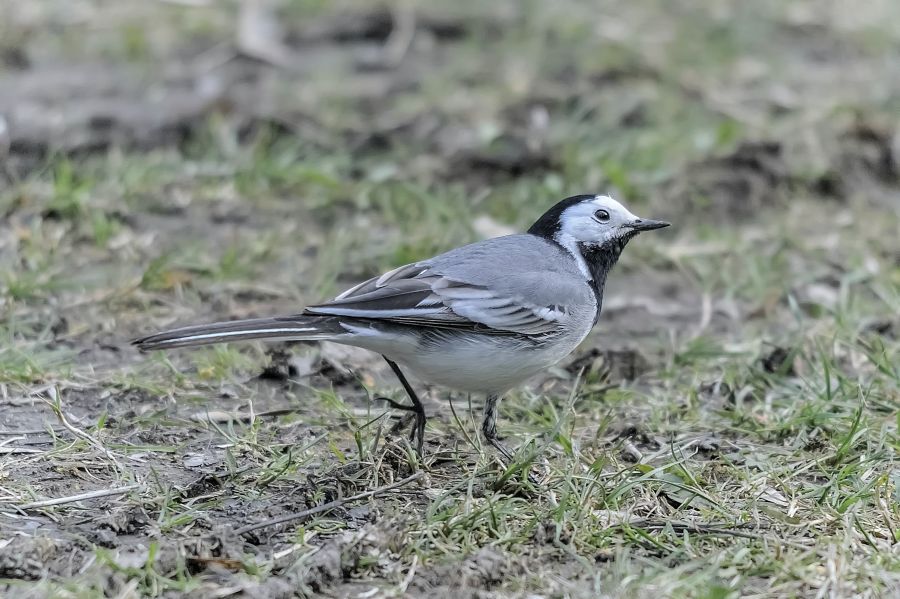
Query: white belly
pixel 483 369
pixel 474 364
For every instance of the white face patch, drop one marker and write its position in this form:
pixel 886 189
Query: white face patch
pixel 581 224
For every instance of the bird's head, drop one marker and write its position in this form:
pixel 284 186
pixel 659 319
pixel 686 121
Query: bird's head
pixel 591 220
pixel 594 228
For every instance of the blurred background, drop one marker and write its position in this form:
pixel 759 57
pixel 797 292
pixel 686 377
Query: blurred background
pixel 173 161
pixel 280 145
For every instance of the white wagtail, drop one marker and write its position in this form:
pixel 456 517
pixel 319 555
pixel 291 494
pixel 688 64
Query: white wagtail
pixel 481 318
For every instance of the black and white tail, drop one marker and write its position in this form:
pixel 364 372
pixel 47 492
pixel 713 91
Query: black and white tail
pixel 300 327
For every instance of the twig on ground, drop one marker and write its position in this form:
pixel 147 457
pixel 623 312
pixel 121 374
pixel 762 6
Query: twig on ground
pixel 80 497
pixel 325 507
pixel 713 528
pixel 400 39
pixel 19 450
pixel 41 431
pixel 220 416
pixel 409 575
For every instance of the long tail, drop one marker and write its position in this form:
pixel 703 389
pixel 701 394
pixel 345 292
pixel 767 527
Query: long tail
pixel 299 327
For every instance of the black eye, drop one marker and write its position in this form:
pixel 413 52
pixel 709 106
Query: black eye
pixel 602 216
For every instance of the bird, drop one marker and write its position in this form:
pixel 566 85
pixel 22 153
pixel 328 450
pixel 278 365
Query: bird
pixel 481 318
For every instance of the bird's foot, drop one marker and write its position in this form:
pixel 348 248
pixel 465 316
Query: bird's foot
pixel 508 458
pixel 416 417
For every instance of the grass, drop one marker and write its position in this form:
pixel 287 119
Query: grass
pixel 740 441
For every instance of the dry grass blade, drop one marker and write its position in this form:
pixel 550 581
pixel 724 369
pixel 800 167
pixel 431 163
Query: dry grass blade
pixel 56 405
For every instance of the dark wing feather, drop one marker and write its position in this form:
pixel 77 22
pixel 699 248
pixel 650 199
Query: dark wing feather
pixel 415 295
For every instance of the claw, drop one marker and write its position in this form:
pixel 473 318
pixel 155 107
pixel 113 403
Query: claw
pixel 417 431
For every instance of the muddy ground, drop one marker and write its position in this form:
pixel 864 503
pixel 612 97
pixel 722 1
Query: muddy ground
pixel 728 430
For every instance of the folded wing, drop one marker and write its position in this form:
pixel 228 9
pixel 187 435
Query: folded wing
pixel 416 294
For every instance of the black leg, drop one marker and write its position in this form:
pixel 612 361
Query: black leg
pixel 489 430
pixel 418 432
pixel 489 426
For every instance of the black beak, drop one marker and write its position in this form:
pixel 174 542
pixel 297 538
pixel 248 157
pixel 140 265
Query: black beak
pixel 645 224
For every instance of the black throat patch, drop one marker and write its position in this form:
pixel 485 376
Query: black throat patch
pixel 600 258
